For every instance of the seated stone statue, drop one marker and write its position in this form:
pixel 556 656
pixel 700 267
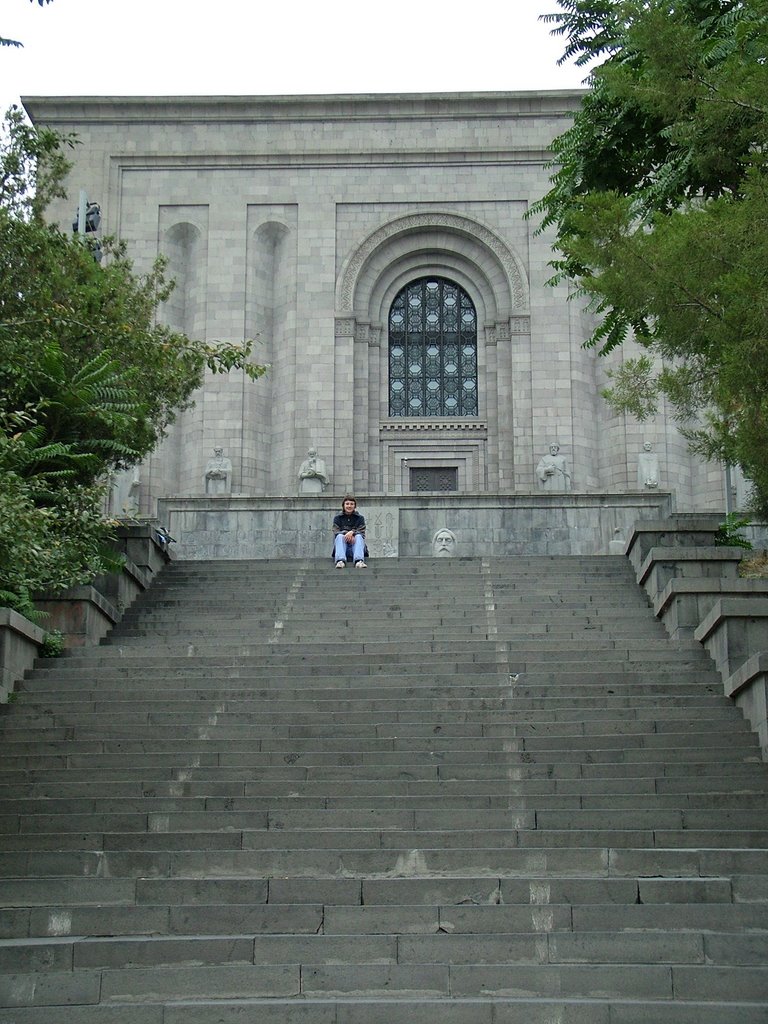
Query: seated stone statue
pixel 218 473
pixel 313 478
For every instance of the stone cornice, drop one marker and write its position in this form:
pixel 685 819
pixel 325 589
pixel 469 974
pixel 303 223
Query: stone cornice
pixel 252 109
pixel 395 156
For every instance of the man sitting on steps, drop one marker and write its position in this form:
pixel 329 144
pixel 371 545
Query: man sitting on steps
pixel 349 535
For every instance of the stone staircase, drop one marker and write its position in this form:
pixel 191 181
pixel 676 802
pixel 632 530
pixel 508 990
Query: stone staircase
pixel 458 791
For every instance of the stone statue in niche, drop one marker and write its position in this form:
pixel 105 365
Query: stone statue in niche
pixel 444 543
pixel 313 478
pixel 124 492
pixel 218 473
pixel 552 471
pixel 647 468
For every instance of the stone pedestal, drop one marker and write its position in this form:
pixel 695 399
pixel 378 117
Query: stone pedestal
pixel 310 485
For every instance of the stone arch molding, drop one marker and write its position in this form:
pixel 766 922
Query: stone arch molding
pixel 425 225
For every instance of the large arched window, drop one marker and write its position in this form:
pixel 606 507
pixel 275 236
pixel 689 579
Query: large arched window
pixel 432 350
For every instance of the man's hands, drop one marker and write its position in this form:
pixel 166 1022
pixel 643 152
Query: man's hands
pixel 349 536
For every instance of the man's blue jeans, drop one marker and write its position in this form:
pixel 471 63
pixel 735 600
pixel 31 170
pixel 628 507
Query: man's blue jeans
pixel 342 551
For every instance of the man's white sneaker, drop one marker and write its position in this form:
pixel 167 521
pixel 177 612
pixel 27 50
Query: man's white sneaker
pixel 340 565
pixel 360 565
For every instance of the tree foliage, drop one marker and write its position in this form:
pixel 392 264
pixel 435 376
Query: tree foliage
pixel 88 379
pixel 660 209
pixel 52 532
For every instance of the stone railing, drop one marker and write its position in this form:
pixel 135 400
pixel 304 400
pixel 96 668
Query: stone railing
pixel 83 614
pixel 696 591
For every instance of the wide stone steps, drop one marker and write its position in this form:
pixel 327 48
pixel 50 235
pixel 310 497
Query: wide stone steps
pixel 473 791
pixel 527 680
pixel 197 987
pixel 402 1008
pixel 158 769
pixel 544 649
pixel 649 719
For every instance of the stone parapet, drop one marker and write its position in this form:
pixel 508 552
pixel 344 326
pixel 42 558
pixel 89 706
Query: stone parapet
pixel 734 630
pixel 663 564
pixel 86 614
pixel 20 642
pixel 696 592
pixel 143 545
pixel 122 588
pixel 683 604
pixel 82 614
pixel 676 531
pixel 748 687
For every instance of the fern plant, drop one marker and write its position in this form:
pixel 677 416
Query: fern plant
pixel 728 534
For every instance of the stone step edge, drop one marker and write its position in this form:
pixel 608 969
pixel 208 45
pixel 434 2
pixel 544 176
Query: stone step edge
pixel 182 938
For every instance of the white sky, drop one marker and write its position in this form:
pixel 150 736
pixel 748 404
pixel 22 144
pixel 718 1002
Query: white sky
pixel 239 47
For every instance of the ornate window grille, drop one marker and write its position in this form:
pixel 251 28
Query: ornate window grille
pixel 432 350
pixel 434 478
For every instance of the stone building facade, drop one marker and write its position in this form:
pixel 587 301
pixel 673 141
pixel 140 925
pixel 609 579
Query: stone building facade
pixel 317 225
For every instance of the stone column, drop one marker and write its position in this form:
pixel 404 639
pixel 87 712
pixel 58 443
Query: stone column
pixel 377 404
pixel 361 436
pixel 344 421
pixel 490 409
pixel 516 399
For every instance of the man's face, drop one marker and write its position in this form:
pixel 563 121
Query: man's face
pixel 444 543
pixel 349 506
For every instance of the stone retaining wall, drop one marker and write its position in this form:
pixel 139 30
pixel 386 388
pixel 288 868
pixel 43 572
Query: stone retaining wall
pixel 405 525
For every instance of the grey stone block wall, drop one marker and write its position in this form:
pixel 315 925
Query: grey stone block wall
pixel 242 528
pixel 296 221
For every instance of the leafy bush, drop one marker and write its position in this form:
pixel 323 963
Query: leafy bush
pixel 728 532
pixel 53 644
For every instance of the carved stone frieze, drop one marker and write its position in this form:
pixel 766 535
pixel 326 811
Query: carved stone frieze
pixel 362 333
pixel 375 335
pixel 469 427
pixel 344 327
pixel 520 325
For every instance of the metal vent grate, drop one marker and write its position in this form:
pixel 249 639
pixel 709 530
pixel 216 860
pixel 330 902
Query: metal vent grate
pixel 435 478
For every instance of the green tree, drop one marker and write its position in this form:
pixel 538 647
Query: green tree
pixel 660 210
pixel 88 380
